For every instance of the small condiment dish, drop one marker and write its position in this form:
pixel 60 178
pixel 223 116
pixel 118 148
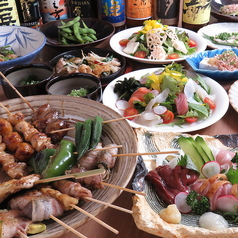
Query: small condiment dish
pixel 40 73
pixel 63 85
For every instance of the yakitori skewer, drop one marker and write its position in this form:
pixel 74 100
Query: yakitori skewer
pixel 67 226
pixel 112 120
pixel 19 94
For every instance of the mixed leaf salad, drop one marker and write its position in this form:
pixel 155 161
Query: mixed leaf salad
pixel 156 41
pixel 166 96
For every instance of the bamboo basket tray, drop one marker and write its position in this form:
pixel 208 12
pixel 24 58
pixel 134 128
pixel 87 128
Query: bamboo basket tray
pixel 118 132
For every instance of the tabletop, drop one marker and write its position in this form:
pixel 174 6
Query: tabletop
pixel 121 221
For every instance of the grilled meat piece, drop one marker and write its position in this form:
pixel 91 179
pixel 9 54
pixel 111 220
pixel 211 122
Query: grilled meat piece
pixel 5 127
pixel 14 119
pixel 24 152
pixel 50 117
pixel 12 140
pixel 14 185
pixel 56 125
pixel 38 140
pixel 13 222
pixel 72 189
pixel 36 206
pixel 41 112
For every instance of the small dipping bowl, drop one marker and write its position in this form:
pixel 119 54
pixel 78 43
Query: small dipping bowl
pixel 16 74
pixel 63 85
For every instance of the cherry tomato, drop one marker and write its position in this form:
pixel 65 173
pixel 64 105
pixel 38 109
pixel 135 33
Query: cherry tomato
pixel 123 42
pixel 168 117
pixel 130 111
pixel 210 103
pixel 140 54
pixel 173 56
pixel 191 43
pixel 190 119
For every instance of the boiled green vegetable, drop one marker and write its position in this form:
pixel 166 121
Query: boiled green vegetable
pixel 75 32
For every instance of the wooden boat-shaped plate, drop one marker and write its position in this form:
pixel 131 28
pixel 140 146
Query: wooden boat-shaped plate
pixel 119 132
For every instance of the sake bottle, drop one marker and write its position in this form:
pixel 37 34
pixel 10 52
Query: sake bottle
pixel 196 14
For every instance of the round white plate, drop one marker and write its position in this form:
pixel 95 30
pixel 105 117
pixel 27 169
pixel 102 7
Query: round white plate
pixel 222 102
pixel 125 34
pixel 215 29
pixel 233 95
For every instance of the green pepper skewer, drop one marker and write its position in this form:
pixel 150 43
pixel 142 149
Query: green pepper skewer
pixel 62 160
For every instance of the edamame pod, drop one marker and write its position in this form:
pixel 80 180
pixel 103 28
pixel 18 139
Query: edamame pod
pixel 96 132
pixel 70 23
pixel 76 32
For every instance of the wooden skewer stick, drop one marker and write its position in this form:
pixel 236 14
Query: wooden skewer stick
pixel 109 205
pixel 103 148
pixel 95 219
pixel 6 109
pixel 22 234
pixel 76 175
pixel 67 227
pixel 124 189
pixel 147 153
pixel 12 86
pixel 117 119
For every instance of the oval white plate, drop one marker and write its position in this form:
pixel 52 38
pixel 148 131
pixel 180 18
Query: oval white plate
pixel 233 95
pixel 125 34
pixel 215 29
pixel 221 100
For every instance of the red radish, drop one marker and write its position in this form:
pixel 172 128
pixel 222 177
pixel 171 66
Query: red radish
pixel 227 203
pixel 122 104
pixel 160 110
pixel 210 168
pixel 180 202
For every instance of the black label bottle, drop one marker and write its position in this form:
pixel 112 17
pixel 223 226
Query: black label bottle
pixel 113 11
pixel 166 11
pixel 8 13
pixel 82 8
pixel 137 11
pixel 196 14
pixel 29 13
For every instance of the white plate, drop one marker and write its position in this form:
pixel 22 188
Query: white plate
pixel 114 43
pixel 215 29
pixel 221 100
pixel 233 95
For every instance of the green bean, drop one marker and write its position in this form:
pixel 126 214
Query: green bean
pixel 87 38
pixel 70 23
pixel 68 36
pixel 76 32
pixel 67 29
pixel 92 36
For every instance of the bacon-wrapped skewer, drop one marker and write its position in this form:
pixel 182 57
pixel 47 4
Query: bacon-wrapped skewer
pixel 13 224
pixel 96 159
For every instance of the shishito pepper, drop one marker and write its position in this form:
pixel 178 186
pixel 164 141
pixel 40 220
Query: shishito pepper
pixel 62 159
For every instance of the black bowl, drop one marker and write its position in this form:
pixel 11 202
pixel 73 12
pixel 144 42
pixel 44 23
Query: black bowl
pixel 101 52
pixel 16 74
pixel 63 85
pixel 215 10
pixel 103 29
